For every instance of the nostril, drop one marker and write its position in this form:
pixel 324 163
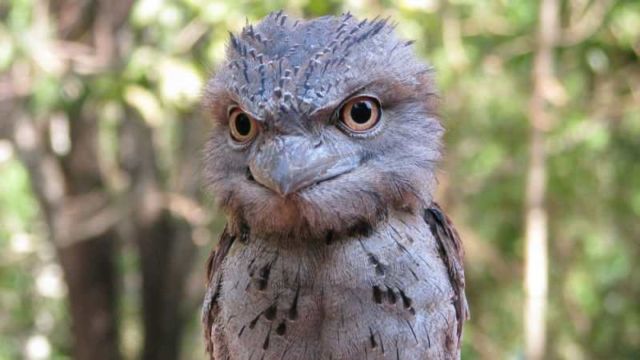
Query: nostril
pixel 250 175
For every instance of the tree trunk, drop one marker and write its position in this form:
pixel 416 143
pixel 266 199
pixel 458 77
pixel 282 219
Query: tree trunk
pixel 81 212
pixel 70 189
pixel 73 202
pixel 89 269
pixel 164 242
pixel 88 263
pixel 166 251
pixel 536 253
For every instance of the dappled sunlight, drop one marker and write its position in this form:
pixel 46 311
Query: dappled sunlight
pixel 37 347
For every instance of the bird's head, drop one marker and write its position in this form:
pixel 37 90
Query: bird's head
pixel 321 127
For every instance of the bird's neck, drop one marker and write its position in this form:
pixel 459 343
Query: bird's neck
pixel 302 235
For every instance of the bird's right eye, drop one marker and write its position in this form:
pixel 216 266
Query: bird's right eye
pixel 242 126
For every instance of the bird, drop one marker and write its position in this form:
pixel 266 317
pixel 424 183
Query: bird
pixel 323 155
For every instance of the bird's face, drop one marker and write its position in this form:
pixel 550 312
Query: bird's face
pixel 321 127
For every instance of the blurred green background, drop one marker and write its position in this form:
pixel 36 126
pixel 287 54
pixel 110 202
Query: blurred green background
pixel 105 229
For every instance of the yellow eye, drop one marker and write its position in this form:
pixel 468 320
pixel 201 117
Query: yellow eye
pixel 360 114
pixel 242 126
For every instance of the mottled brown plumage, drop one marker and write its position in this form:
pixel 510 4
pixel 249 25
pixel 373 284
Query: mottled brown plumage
pixel 323 157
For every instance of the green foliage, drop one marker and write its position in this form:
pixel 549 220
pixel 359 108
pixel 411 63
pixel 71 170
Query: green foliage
pixel 30 286
pixel 482 51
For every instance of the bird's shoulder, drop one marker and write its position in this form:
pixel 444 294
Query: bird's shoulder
pixel 210 307
pixel 450 247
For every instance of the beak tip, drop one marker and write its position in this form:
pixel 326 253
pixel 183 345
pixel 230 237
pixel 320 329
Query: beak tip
pixel 283 190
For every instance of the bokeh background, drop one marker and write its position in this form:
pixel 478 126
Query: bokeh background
pixel 105 227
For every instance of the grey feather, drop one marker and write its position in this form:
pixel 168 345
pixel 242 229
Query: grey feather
pixel 356 266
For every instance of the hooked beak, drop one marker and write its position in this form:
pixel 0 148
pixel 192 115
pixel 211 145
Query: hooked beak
pixel 290 163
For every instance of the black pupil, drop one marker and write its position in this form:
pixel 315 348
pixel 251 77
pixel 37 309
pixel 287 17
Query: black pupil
pixel 243 125
pixel 361 112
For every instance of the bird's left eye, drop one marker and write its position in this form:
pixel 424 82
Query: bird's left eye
pixel 360 114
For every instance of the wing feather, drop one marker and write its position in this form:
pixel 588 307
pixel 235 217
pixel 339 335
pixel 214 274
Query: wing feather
pixel 450 247
pixel 210 307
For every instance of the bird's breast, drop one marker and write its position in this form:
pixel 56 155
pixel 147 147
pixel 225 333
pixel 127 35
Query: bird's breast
pixel 380 296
